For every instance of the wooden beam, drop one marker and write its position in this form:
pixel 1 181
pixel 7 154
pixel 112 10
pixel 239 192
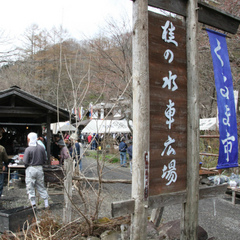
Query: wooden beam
pixel 216 18
pixel 167 199
pixel 209 136
pixel 209 154
pixel 122 208
pixel 78 178
pixel 212 191
pixel 178 7
pixel 12 111
pixel 20 124
pixel 207 14
pixel 180 197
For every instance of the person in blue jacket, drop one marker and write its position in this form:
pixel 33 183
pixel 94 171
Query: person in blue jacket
pixel 123 153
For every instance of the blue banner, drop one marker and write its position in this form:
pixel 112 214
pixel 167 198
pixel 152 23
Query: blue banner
pixel 228 148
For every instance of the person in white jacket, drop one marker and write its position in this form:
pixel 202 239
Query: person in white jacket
pixel 34 159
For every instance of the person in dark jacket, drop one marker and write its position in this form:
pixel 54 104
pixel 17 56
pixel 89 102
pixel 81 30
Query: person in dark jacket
pixel 3 163
pixel 123 153
pixel 55 148
pixel 34 159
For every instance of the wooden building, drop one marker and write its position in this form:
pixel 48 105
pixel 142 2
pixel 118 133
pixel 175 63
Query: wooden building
pixel 21 113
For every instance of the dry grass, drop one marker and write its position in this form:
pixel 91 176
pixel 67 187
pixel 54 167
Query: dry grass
pixel 50 228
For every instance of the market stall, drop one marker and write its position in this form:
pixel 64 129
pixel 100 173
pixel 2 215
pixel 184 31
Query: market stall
pixel 208 124
pixel 62 127
pixel 21 113
pixel 107 126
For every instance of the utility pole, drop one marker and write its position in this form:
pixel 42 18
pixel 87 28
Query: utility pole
pixel 189 223
pixel 140 116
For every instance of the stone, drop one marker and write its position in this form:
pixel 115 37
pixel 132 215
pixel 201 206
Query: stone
pixel 110 235
pixel 205 181
pixel 78 237
pixel 93 238
pixel 152 232
pixel 171 231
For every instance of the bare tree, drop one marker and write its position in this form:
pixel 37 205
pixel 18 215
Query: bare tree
pixel 111 58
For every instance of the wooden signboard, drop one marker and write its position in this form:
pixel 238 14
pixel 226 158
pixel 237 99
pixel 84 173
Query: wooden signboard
pixel 168 104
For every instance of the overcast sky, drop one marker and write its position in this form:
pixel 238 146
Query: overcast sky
pixel 77 16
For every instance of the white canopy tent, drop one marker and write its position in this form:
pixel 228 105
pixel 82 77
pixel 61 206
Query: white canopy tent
pixel 212 123
pixel 107 126
pixel 120 126
pixel 208 124
pixel 62 127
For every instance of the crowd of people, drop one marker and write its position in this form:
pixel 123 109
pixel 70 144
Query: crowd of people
pixel 67 146
pixel 123 141
pixel 62 147
pixel 75 143
pixel 94 141
pixel 35 156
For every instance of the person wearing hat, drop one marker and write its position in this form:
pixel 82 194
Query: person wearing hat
pixel 3 159
pixel 34 158
pixel 64 153
pixel 75 154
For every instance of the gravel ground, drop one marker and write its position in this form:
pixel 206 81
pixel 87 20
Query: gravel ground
pixel 218 216
pixel 16 195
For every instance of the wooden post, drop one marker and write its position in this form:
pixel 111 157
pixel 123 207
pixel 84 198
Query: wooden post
pixel 156 216
pixel 189 222
pixel 140 115
pixel 233 196
pixel 67 209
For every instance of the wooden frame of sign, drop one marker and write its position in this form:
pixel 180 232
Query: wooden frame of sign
pixel 160 65
pixel 171 171
pixel 207 14
pixel 126 207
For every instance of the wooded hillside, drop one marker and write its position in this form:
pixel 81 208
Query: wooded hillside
pixel 70 73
